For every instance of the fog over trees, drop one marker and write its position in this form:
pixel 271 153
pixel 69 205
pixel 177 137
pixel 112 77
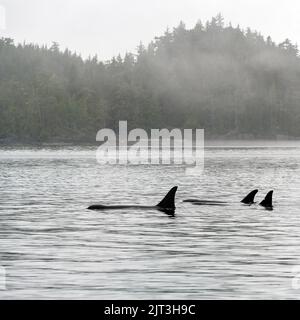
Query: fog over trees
pixel 234 83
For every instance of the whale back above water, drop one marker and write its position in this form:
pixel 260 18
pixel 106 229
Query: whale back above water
pixel 167 204
pixel 249 199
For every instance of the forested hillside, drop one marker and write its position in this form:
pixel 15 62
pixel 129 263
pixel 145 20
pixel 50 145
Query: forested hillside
pixel 233 83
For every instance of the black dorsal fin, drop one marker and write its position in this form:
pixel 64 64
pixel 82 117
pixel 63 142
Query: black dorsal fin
pixel 168 202
pixel 249 199
pixel 267 202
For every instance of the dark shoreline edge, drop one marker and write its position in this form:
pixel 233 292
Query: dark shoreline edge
pixel 92 141
pixel 209 142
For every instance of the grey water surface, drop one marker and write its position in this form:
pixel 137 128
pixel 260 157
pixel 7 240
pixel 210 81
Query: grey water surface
pixel 51 246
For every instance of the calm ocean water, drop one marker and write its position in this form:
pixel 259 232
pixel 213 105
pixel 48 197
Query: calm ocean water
pixel 52 247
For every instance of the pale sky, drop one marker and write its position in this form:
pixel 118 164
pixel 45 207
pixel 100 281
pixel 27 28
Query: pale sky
pixel 109 27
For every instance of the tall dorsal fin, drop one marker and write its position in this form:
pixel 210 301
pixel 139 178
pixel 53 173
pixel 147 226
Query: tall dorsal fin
pixel 267 202
pixel 168 202
pixel 249 199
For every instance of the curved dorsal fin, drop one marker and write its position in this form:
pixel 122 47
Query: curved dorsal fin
pixel 267 202
pixel 168 202
pixel 249 199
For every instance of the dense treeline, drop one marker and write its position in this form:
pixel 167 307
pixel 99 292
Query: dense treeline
pixel 232 82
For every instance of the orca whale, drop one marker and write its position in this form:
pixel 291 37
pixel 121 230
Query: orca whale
pixel 249 199
pixel 268 201
pixel 167 204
